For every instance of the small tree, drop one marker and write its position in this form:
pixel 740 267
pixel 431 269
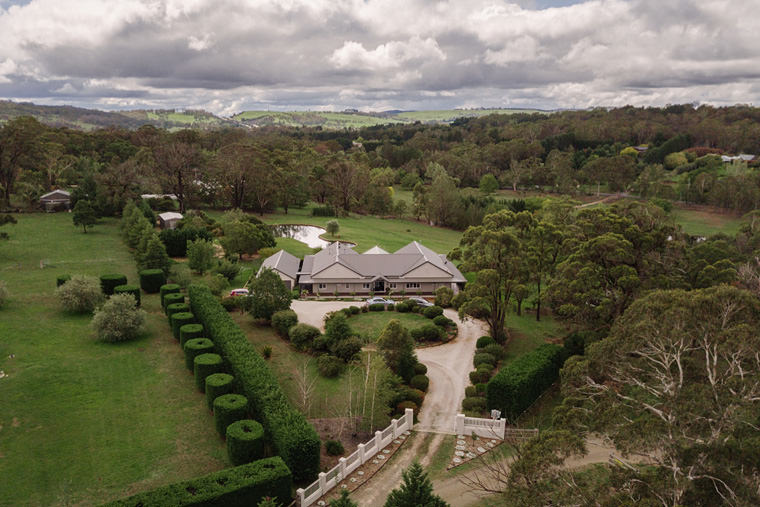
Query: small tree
pixel 397 347
pixel 415 491
pixel 119 319
pixel 155 256
pixel 200 255
pixel 488 184
pixel 81 294
pixel 269 295
pixel 84 215
pixel 344 500
pixel 333 227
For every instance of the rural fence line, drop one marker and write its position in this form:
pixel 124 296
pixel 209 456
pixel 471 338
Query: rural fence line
pixel 365 452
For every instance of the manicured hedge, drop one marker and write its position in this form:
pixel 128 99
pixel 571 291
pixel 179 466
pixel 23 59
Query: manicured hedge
pixel 151 280
pixel 475 404
pixel 229 408
pixel 484 341
pixel 283 320
pixel 420 369
pixel 245 441
pixel 420 382
pixel 494 349
pixel 217 385
pixel 169 288
pixel 205 365
pixel 172 299
pixel 196 347
pixel 190 331
pixel 61 279
pixel 483 357
pixel 176 308
pixel 180 319
pixel 109 282
pixel 293 438
pixel 519 384
pixel 377 307
pixel 302 335
pixel 432 312
pixel 128 289
pixel 240 486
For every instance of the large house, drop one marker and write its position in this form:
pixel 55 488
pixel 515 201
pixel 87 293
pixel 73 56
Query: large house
pixel 413 269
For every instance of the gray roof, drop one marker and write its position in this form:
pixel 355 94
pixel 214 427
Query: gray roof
pixel 170 215
pixel 62 193
pixel 375 250
pixel 283 262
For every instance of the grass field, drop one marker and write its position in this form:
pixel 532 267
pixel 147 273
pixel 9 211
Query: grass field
pixel 706 223
pixel 84 422
pixel 371 324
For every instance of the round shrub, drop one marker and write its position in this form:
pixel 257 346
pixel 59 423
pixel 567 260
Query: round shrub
pixel 196 347
pixel 283 320
pixel 475 404
pixel 347 349
pixel 441 321
pixel 403 307
pixel 180 319
pixel 420 382
pixel 169 288
pixel 483 357
pixel 176 308
pixel 110 281
pixel 401 407
pixel 443 296
pixel 391 308
pixel 377 307
pixel 484 341
pixel 118 319
pixel 245 441
pixel 469 391
pixel 302 335
pixel 495 350
pixel 485 367
pixel 229 303
pixel 229 408
pixel 81 294
pixel 420 369
pixel 129 289
pixel 417 334
pixel 415 395
pixel 151 280
pixel 432 333
pixel 217 384
pixel 479 376
pixel 354 310
pixel 173 298
pixel 205 365
pixel 61 279
pixel 432 312
pixel 329 366
pixel 334 448
pixel 190 331
pixel 365 309
pixel 481 388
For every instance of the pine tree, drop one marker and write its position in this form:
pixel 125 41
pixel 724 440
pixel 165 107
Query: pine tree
pixel 416 490
pixel 84 215
pixel 155 256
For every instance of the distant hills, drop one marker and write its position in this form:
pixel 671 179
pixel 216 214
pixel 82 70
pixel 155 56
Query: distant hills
pixel 90 119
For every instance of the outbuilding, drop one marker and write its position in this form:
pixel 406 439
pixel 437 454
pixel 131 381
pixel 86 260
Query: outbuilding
pixel 57 200
pixel 169 219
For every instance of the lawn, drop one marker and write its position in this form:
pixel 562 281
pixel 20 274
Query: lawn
pixel 525 333
pixel 371 324
pixel 705 223
pixel 81 421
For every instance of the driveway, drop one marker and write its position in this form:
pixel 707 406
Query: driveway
pixel 313 312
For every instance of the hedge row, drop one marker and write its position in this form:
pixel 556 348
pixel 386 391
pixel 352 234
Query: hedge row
pixel 245 441
pixel 519 384
pixel 241 486
pixel 151 280
pixel 294 439
pixel 109 282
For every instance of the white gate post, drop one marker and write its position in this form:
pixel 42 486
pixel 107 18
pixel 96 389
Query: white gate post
pixel 502 428
pixel 460 424
pixel 360 448
pixel 378 441
pixel 342 468
pixel 322 483
pixel 394 423
pixel 300 492
pixel 409 416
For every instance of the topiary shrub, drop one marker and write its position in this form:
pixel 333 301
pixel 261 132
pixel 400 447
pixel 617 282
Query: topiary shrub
pixel 151 280
pixel 245 441
pixel 483 357
pixel 217 384
pixel 110 281
pixel 180 319
pixel 188 332
pixel 61 279
pixel 441 321
pixel 479 376
pixel 283 320
pixel 415 395
pixel 470 391
pixel 481 388
pixel 432 312
pixel 229 408
pixel 347 349
pixel 334 448
pixel 486 367
pixel 172 299
pixel 432 333
pixel 420 369
pixel 377 307
pixel 134 290
pixel 169 288
pixel 330 366
pixel 176 308
pixel 420 382
pixel 354 310
pixel 303 335
pixel 195 347
pixel 205 365
pixel 403 307
pixel 118 319
pixel 484 341
pixel 495 350
pixel 81 294
pixel 475 404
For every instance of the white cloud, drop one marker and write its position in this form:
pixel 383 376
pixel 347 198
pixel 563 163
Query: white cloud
pixel 390 55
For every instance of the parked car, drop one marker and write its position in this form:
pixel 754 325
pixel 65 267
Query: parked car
pixel 239 292
pixel 420 301
pixel 380 301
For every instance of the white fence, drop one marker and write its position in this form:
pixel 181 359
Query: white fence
pixel 490 428
pixel 365 452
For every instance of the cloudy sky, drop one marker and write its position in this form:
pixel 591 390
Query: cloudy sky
pixel 231 55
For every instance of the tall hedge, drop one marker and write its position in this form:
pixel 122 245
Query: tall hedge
pixel 245 441
pixel 173 298
pixel 173 308
pixel 229 408
pixel 151 280
pixel 520 383
pixel 190 331
pixel 109 282
pixel 169 288
pixel 179 319
pixel 129 289
pixel 240 486
pixel 217 385
pixel 294 439
pixel 196 347
pixel 205 365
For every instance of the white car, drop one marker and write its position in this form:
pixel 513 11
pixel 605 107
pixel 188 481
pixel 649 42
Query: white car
pixel 239 292
pixel 420 301
pixel 380 301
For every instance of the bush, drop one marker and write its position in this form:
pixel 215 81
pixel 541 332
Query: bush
pixel 175 240
pixel 483 357
pixel 302 335
pixel 481 388
pixel 334 448
pixel 347 349
pixel 403 307
pixel 520 383
pixel 475 404
pixel 190 331
pixel 152 280
pixel 330 366
pixel 420 382
pixel 432 312
pixel 245 441
pixel 496 350
pixel 217 384
pixel 227 269
pixel 283 320
pixel 470 391
pixel 231 303
pixel 354 310
pixel 229 408
pixel 81 294
pixel 484 341
pixel 61 279
pixel 180 319
pixel 266 352
pixel 118 319
pixel 109 282
pixel 415 395
pixel 377 307
pixel 133 290
pixel 180 274
pixel 169 288
pixel 441 321
pixel 443 297
pixel 195 347
pixel 485 367
pixel 216 284
pixel 401 407
pixel 322 211
pixel 291 435
pixel 420 369
pixel 203 366
pixel 479 376
pixel 428 333
pixel 236 487
pixel 174 297
pixel 320 344
pixel 176 308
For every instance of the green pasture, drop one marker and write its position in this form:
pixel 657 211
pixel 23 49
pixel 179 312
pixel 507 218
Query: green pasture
pixel 706 223
pixel 371 324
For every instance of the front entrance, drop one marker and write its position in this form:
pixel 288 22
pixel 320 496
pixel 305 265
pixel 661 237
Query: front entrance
pixel 379 286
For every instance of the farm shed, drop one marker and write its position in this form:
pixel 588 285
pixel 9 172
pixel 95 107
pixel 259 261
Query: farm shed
pixel 57 200
pixel 169 219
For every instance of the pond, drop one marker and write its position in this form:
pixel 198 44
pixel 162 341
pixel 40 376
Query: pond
pixel 308 234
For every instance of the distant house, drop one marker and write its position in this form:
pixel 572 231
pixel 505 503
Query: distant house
pixel 159 196
pixel 285 265
pixel 743 157
pixel 57 200
pixel 169 219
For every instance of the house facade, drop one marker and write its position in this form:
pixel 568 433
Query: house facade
pixel 57 200
pixel 338 269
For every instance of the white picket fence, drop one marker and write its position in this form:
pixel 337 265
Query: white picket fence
pixel 490 428
pixel 365 452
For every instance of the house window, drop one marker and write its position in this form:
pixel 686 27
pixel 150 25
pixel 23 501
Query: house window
pixel 413 285
pixel 365 285
pixel 392 286
pixel 348 285
pixel 322 285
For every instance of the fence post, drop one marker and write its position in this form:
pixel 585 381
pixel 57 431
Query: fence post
pixel 394 423
pixel 342 468
pixel 322 483
pixel 378 441
pixel 360 448
pixel 460 424
pixel 502 429
pixel 409 418
pixel 300 492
